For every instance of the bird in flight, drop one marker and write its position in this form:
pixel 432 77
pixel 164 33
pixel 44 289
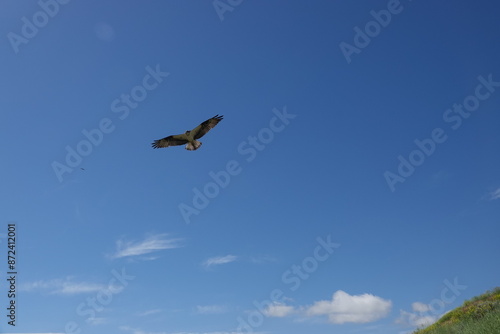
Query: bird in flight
pixel 189 138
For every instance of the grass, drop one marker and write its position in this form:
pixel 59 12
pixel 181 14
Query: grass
pixel 479 315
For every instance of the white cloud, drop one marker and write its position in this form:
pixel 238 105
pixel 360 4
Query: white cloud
pixel 67 286
pixel 419 317
pixel 73 288
pixel 211 309
pixel 140 331
pixel 151 244
pixel 38 285
pixel 278 310
pixel 420 307
pixel 217 260
pixel 416 319
pixel 346 308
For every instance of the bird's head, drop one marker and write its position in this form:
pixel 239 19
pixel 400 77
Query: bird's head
pixel 188 132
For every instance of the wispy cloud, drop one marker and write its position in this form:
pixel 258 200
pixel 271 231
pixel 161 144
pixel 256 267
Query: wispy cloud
pixel 211 309
pixel 67 286
pixel 137 330
pixel 218 260
pixel 140 331
pixel 208 333
pixel 279 310
pixel 414 319
pixel 420 307
pixel 97 321
pixel 495 195
pixel 149 245
pixel 149 312
pixel 419 317
pixel 345 308
pixel 263 259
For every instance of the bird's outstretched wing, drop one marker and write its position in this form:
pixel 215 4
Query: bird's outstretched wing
pixel 206 126
pixel 174 140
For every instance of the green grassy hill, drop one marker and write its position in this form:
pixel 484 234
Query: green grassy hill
pixel 480 315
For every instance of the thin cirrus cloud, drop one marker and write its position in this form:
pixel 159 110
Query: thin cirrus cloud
pixel 149 312
pixel 495 194
pixel 211 309
pixel 67 286
pixel 132 330
pixel 218 260
pixel 153 243
pixel 97 321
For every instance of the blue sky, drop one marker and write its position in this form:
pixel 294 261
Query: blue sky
pixel 352 187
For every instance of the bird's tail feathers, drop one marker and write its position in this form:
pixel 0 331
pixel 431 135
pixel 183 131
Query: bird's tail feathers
pixel 193 146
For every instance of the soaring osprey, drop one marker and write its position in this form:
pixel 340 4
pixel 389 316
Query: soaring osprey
pixel 189 137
